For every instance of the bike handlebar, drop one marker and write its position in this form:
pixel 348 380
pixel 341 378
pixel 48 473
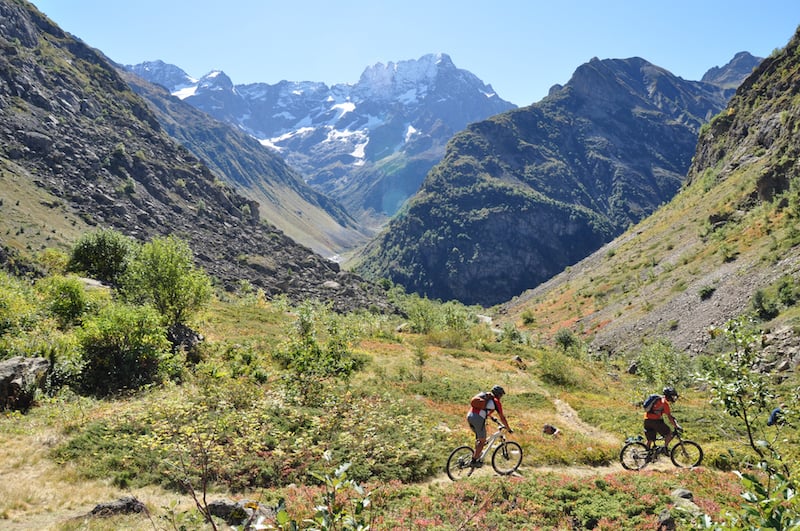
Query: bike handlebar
pixel 501 426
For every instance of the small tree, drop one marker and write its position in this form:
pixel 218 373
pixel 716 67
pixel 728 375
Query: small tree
pixel 65 298
pixel 566 339
pixel 124 347
pixel 163 274
pixel 737 383
pixel 308 363
pixel 745 392
pixel 659 363
pixel 102 255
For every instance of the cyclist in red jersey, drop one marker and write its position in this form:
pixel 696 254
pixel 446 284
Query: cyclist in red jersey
pixel 654 419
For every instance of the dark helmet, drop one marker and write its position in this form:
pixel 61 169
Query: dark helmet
pixel 670 393
pixel 498 391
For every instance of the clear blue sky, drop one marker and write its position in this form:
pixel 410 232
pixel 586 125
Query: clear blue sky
pixel 520 47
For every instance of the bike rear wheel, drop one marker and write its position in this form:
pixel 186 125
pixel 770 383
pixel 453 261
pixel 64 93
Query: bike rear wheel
pixel 459 463
pixel 633 456
pixel 686 454
pixel 506 458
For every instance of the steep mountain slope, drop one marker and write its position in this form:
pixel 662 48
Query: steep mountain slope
pixel 368 145
pixel 522 195
pixel 78 147
pixel 699 261
pixel 287 202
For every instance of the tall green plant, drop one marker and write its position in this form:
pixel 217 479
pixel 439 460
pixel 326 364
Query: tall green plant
pixel 309 363
pixel 124 347
pixel 103 255
pixel 65 298
pixel 659 364
pixel 737 384
pixel 163 274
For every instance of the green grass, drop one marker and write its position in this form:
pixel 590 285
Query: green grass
pixel 395 421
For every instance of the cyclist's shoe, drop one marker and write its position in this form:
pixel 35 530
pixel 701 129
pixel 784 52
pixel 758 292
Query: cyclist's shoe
pixel 662 450
pixel 476 463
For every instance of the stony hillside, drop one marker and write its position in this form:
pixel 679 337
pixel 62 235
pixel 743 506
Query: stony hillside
pixel 524 194
pixel 257 172
pixel 79 149
pixel 728 244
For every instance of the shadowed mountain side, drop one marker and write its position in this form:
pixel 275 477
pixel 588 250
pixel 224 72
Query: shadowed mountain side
pixel 726 245
pixel 524 194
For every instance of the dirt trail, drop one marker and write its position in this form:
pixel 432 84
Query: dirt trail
pixel 571 419
pixel 568 418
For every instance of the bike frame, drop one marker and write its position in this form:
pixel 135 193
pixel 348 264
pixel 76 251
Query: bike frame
pixel 492 440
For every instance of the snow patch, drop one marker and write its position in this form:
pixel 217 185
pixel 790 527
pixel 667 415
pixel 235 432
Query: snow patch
pixel 410 132
pixel 185 92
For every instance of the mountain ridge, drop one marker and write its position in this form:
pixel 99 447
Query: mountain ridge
pixel 77 143
pixel 726 246
pixel 286 201
pixel 367 144
pixel 522 195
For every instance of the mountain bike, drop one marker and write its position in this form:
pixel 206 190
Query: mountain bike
pixel 684 454
pixel 506 456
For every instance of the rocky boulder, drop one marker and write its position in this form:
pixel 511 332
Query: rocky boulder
pixel 19 379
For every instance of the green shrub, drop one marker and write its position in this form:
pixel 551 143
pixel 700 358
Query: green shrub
pixel 706 292
pixel 102 255
pixel 65 298
pixel 163 274
pixel 765 307
pixel 566 339
pixel 308 363
pixel 124 347
pixel 659 363
pixel 556 368
pixel 18 309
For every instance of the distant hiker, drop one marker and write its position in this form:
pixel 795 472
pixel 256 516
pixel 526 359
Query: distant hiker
pixel 776 417
pixel 549 429
pixel 484 405
pixel 654 418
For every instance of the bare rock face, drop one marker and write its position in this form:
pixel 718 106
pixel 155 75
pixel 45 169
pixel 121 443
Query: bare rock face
pixel 19 379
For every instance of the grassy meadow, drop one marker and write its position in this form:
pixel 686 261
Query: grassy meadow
pixel 242 422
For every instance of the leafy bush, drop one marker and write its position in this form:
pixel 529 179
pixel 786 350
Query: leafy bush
pixel 566 339
pixel 706 292
pixel 308 363
pixel 163 274
pixel 556 368
pixel 103 255
pixel 124 347
pixel 764 306
pixel 18 309
pixel 65 298
pixel 659 363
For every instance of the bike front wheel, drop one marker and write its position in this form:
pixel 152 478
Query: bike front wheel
pixel 459 464
pixel 506 458
pixel 686 454
pixel 633 456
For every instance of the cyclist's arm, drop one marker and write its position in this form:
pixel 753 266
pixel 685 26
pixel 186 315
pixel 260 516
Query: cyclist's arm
pixel 503 417
pixel 673 421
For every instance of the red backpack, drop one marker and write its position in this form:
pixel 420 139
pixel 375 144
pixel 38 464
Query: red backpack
pixel 480 400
